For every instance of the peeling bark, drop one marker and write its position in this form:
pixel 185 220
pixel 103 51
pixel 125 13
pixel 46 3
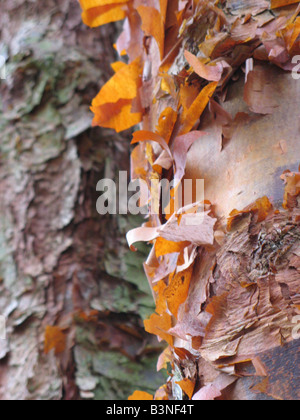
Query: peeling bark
pixel 223 68
pixel 61 264
pixel 249 289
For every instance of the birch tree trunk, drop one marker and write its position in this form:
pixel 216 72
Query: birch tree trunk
pixel 74 326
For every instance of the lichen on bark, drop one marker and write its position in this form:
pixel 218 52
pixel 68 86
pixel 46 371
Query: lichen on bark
pixel 56 252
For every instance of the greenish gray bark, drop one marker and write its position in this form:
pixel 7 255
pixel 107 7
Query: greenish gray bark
pixel 59 260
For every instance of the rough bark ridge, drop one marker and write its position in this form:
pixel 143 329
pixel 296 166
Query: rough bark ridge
pixel 252 286
pixel 62 267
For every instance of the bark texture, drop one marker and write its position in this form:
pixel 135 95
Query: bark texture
pixel 62 266
pixel 261 148
pixel 227 292
pixel 252 286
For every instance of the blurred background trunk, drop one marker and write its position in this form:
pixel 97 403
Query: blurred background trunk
pixel 72 294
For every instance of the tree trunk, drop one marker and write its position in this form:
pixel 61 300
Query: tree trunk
pixel 255 282
pixel 72 295
pixel 218 102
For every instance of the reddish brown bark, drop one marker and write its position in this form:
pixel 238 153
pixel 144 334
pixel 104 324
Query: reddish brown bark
pixel 252 286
